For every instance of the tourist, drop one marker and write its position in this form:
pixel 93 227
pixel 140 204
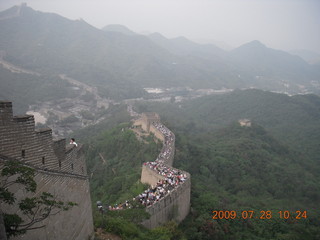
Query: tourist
pixel 73 141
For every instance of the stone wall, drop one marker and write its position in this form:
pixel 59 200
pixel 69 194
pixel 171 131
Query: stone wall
pixel 60 170
pixel 146 120
pixel 148 176
pixel 175 205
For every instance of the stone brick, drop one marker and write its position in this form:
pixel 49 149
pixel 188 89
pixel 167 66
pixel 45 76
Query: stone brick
pixel 60 170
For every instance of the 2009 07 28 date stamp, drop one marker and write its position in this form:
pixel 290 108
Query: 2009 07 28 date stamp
pixel 263 214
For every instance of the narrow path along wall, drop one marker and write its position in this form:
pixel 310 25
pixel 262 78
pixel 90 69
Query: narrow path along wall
pixel 175 205
pixel 60 170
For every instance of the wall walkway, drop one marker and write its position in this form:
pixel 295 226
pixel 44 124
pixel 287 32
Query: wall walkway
pixel 175 205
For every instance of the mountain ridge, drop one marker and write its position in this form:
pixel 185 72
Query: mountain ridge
pixel 118 28
pixel 121 65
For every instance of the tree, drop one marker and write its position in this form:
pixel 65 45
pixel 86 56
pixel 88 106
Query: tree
pixel 33 209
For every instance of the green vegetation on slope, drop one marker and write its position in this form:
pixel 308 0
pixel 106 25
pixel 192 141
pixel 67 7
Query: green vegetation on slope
pixel 294 121
pixel 244 168
pixel 114 159
pixel 271 166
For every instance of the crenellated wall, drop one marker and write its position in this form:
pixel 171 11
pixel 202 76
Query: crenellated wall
pixel 60 170
pixel 176 204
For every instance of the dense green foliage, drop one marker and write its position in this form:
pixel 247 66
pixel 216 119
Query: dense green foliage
pixel 294 121
pixel 244 168
pixel 114 115
pixel 272 165
pixel 115 158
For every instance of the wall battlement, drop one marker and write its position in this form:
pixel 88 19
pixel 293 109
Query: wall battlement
pixel 60 170
pixel 176 204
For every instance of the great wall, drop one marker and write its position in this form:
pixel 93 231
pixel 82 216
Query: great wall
pixel 60 170
pixel 175 205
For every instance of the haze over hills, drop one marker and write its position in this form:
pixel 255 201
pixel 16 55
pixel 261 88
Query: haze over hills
pixel 121 65
pixel 309 56
pixel 274 65
pixel 82 76
pixel 183 46
pixel 118 28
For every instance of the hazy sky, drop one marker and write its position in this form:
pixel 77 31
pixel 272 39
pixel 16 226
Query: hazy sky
pixel 280 24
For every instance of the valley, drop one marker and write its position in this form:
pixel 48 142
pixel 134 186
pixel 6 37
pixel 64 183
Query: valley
pixel 246 120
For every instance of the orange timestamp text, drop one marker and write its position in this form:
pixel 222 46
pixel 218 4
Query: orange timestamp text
pixel 250 214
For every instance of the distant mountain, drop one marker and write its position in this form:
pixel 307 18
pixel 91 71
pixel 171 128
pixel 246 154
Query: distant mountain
pixel 120 63
pixel 51 44
pixel 183 46
pixel 269 63
pixel 309 56
pixel 118 28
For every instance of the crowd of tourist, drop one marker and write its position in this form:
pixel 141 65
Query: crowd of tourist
pixel 163 187
pixel 171 177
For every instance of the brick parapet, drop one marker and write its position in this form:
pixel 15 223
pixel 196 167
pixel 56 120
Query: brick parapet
pixel 3 159
pixel 21 141
pixel 5 110
pixel 60 170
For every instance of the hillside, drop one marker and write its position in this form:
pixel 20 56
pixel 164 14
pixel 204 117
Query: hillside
pixel 272 165
pixel 244 168
pixel 26 89
pixel 55 45
pixel 292 120
pixel 113 61
pixel 259 168
pixel 120 65
pixel 114 157
pixel 269 63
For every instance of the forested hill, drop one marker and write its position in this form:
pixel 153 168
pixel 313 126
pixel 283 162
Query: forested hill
pixel 294 120
pixel 272 165
pixel 245 169
pixel 114 158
